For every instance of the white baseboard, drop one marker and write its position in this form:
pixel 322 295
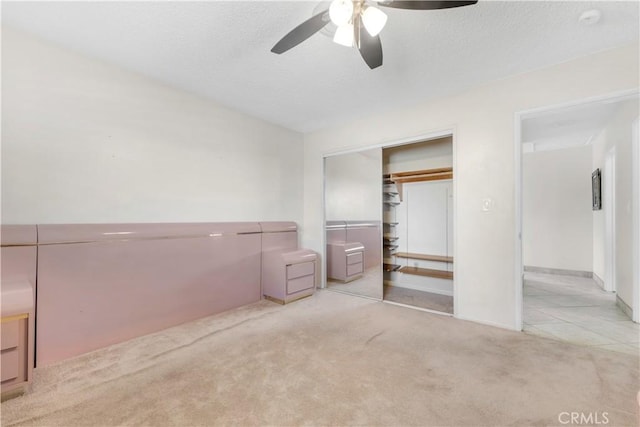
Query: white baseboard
pixel 598 280
pixel 560 271
pixel 624 307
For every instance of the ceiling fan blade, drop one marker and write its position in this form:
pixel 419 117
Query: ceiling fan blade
pixel 425 4
pixel 302 32
pixel 370 47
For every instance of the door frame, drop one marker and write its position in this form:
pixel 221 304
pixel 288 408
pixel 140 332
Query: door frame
pixel 609 207
pixel 635 173
pixel 518 155
pixel 435 134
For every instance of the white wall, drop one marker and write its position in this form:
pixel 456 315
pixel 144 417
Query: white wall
pixel 557 220
pixel 483 121
pixel 349 195
pixel 84 141
pixel 437 153
pixel 618 134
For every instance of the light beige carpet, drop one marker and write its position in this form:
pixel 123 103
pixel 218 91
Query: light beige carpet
pixel 332 360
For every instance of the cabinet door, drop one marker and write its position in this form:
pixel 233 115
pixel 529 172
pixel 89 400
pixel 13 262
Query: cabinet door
pixel 13 360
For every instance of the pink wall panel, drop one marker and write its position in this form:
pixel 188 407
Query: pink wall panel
pixel 18 257
pixel 336 231
pixel 279 236
pixel 19 263
pixel 18 235
pixel 91 295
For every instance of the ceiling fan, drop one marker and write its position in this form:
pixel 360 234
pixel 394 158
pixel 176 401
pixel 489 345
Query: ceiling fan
pixel 359 24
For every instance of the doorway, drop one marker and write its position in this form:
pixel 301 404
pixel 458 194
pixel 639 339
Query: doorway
pixel 574 260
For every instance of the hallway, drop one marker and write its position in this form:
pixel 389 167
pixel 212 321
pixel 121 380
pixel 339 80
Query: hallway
pixel 578 311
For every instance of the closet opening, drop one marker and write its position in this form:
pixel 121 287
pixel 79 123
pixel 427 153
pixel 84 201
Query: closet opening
pixel 418 224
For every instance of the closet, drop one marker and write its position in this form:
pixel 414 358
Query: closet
pixel 418 224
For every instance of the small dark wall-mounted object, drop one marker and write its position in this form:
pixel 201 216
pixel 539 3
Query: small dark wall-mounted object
pixel 596 190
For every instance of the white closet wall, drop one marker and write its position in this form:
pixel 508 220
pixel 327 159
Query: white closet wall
pixel 428 217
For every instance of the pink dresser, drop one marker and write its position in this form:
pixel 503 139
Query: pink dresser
pixel 288 273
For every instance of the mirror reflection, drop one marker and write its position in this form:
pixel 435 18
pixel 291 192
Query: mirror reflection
pixel 353 222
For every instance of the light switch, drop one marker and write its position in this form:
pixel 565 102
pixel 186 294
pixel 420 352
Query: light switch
pixel 487 203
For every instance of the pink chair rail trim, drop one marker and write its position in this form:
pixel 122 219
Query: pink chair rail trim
pixel 277 227
pixel 78 233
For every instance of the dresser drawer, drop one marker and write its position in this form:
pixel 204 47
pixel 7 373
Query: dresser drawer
pixel 10 364
pixel 354 269
pixel 300 284
pixel 299 270
pixel 10 334
pixel 354 258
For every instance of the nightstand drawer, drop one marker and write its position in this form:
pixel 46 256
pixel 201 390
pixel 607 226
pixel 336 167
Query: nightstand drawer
pixel 354 269
pixel 10 362
pixel 354 258
pixel 10 334
pixel 299 270
pixel 300 284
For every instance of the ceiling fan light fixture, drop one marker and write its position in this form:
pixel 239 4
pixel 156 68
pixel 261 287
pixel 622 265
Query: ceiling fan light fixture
pixel 374 20
pixel 341 11
pixel 344 35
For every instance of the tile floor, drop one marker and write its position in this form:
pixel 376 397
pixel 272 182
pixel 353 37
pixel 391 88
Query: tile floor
pixel 577 310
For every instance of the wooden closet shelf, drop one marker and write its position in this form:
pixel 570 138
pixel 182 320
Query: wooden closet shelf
pixel 400 178
pixel 427 272
pixel 420 172
pixel 425 177
pixel 424 257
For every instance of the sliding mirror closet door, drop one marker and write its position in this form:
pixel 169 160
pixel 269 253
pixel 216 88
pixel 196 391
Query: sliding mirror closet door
pixel 353 222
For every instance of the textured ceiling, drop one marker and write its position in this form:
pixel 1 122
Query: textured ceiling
pixel 221 50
